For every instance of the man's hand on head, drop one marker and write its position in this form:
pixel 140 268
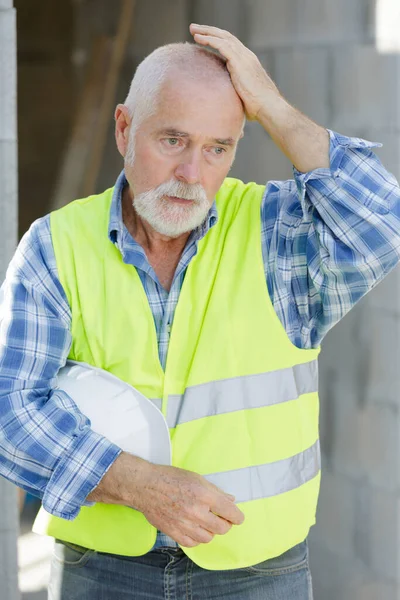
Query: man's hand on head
pixel 303 142
pixel 250 80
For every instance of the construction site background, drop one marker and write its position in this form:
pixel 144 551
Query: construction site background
pixel 339 62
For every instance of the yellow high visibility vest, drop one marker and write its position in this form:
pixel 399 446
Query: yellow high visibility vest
pixel 240 399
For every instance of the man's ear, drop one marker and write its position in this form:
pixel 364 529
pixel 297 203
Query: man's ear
pixel 123 122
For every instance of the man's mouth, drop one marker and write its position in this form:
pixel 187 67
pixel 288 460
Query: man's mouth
pixel 179 200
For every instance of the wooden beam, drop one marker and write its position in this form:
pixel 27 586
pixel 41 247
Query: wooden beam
pixel 108 97
pixel 85 149
pixel 69 184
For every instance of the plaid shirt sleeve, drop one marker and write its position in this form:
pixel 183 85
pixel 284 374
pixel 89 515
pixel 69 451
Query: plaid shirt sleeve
pixel 329 236
pixel 46 444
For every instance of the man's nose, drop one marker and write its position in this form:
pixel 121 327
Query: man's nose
pixel 189 171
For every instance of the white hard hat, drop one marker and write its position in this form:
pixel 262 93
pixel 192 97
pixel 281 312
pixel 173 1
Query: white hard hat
pixel 118 411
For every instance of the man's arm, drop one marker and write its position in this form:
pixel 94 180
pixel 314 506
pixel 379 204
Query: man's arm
pixel 46 444
pixel 181 503
pixel 305 143
pixel 328 237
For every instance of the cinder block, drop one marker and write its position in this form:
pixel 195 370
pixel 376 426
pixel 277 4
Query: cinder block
pixel 335 577
pixel 378 445
pixel 383 378
pixel 327 22
pixel 390 151
pixel 332 573
pixel 371 590
pixel 384 534
pixel 339 398
pixel 271 23
pixel 302 77
pixel 157 23
pixel 365 89
pixel 226 14
pixel 308 22
pixel 359 393
pixel 361 525
pixel 258 158
pixel 345 458
pixel 335 516
pixel 347 335
pixel 385 297
pixel 8 74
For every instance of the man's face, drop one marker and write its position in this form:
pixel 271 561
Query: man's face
pixel 183 152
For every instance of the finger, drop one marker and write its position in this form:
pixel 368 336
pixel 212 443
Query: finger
pixel 217 525
pixel 223 46
pixel 228 510
pixel 209 40
pixel 187 542
pixel 216 31
pixel 200 535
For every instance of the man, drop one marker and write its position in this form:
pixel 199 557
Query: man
pixel 212 296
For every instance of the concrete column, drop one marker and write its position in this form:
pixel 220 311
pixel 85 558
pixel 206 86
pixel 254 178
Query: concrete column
pixel 8 240
pixel 8 134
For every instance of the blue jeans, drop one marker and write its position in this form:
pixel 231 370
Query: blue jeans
pixel 168 574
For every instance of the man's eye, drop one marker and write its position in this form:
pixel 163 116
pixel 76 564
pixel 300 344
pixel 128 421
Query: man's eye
pixel 219 150
pixel 172 141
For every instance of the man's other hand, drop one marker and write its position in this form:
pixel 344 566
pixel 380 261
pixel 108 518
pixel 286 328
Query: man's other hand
pixel 250 80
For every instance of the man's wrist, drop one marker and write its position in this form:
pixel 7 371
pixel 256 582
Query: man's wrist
pixel 304 142
pixel 274 108
pixel 121 484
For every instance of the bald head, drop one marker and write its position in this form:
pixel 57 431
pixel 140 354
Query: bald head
pixel 173 62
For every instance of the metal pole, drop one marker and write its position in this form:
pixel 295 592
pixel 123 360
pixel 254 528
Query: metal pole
pixel 8 241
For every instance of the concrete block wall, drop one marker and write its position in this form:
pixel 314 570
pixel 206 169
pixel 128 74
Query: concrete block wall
pixel 325 58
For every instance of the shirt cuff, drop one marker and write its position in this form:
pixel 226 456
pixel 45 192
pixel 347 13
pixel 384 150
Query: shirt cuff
pixel 78 473
pixel 338 147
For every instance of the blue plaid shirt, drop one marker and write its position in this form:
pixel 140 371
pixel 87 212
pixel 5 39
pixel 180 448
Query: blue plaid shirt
pixel 328 237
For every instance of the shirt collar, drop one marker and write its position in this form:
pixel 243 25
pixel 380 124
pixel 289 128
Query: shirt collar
pixel 116 225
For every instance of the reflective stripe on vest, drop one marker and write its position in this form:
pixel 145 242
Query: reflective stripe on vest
pixel 264 481
pixel 241 393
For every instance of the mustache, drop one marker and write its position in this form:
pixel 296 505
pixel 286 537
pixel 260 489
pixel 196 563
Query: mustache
pixel 179 189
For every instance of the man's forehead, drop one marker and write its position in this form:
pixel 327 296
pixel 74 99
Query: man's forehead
pixel 184 91
pixel 194 110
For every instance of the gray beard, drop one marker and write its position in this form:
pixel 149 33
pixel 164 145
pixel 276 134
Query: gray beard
pixel 169 218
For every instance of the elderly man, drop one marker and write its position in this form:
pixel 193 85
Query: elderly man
pixel 197 288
